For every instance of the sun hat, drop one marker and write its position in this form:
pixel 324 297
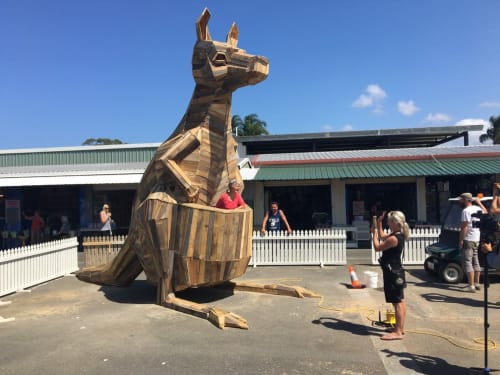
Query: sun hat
pixel 466 197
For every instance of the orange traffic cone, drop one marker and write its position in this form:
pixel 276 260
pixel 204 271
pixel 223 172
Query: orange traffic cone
pixel 354 278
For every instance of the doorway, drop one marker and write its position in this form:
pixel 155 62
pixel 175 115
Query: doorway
pixel 306 207
pixel 364 200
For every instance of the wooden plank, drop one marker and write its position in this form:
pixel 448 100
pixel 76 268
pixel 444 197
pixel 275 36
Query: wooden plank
pixel 210 234
pixel 194 271
pixel 180 236
pixel 239 228
pixel 218 233
pixel 200 245
pixel 227 251
pixel 192 232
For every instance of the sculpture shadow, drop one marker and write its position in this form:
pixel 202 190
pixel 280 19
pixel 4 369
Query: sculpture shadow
pixel 428 281
pixel 205 294
pixel 424 276
pixel 429 365
pixel 139 292
pixel 142 292
pixel 343 325
pixel 464 301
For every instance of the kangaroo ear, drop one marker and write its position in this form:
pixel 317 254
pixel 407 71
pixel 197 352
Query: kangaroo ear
pixel 202 26
pixel 232 36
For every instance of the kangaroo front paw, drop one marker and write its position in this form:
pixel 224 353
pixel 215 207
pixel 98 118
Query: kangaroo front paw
pixel 193 194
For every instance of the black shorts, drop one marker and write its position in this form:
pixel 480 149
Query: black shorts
pixel 393 293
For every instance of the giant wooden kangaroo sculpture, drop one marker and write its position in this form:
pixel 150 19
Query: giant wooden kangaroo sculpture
pixel 176 236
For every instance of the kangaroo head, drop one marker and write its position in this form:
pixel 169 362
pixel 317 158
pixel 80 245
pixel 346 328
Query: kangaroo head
pixel 221 65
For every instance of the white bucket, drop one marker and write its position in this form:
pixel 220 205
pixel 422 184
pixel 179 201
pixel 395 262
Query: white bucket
pixel 371 279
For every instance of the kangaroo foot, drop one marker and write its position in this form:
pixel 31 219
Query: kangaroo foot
pixel 276 289
pixel 220 318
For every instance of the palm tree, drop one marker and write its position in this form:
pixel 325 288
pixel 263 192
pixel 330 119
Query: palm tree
pixel 493 132
pixel 249 125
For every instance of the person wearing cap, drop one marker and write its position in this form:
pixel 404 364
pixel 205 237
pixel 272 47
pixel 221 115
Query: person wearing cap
pixel 232 198
pixel 105 216
pixel 469 241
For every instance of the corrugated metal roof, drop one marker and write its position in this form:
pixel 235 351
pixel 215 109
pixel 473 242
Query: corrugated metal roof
pixel 77 174
pixel 355 140
pixel 406 168
pixel 366 155
pixel 112 154
pixel 83 163
pixel 81 169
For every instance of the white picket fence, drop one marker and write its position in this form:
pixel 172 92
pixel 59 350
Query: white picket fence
pixel 302 247
pixel 98 250
pixel 307 247
pixel 414 251
pixel 26 266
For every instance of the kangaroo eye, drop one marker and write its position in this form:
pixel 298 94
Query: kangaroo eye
pixel 220 59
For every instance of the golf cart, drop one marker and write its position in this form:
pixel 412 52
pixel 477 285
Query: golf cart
pixel 444 256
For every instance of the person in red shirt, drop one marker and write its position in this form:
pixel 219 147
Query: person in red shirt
pixel 37 224
pixel 232 198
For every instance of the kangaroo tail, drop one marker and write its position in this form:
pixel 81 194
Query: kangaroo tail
pixel 121 271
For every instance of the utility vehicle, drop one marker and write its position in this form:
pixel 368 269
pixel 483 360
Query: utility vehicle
pixel 445 258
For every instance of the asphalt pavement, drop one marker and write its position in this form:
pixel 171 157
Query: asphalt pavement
pixel 67 326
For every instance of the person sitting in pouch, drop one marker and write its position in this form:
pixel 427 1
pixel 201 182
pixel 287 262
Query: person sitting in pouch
pixel 232 198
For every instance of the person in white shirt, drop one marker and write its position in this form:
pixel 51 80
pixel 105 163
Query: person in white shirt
pixel 469 241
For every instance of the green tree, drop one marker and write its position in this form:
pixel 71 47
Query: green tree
pixel 101 141
pixel 249 125
pixel 493 132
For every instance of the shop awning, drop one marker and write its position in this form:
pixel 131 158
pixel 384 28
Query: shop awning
pixel 81 174
pixel 405 168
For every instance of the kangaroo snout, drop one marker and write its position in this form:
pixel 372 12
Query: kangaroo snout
pixel 258 69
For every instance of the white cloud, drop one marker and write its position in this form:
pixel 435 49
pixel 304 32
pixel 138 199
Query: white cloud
pixel 490 104
pixel 372 97
pixel 474 121
pixel 437 117
pixel 376 91
pixel 363 101
pixel 473 135
pixel 407 108
pixel 331 128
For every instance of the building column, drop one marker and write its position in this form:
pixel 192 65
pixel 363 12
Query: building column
pixel 259 204
pixel 85 206
pixel 338 202
pixel 421 200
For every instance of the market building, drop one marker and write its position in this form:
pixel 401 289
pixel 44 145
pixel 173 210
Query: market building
pixel 319 179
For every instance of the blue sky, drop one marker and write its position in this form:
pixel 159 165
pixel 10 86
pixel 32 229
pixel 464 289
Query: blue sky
pixel 72 70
